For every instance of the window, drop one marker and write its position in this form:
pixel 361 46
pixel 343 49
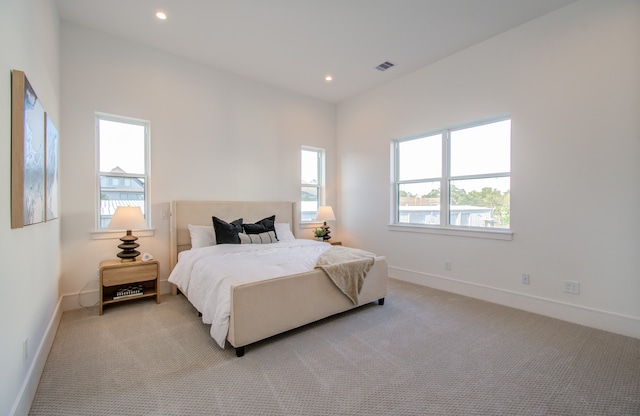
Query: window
pixel 123 165
pixel 312 182
pixel 457 177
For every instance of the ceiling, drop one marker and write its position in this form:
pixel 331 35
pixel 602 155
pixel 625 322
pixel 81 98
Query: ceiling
pixel 293 44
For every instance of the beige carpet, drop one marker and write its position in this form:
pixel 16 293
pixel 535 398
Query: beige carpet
pixel 425 352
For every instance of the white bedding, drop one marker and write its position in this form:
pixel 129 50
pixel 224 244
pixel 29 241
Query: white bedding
pixel 205 275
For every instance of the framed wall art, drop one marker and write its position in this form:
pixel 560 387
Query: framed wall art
pixel 27 153
pixel 51 169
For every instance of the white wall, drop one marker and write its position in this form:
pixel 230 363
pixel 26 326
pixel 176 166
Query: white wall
pixel 213 136
pixel 29 256
pixel 571 81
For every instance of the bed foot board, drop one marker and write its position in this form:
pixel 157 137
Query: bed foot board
pixel 381 301
pixel 239 351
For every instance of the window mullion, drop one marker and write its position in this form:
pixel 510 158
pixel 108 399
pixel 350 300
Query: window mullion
pixel 482 176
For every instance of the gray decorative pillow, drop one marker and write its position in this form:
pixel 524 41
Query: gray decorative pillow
pixel 262 238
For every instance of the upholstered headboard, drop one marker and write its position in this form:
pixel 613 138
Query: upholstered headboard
pixel 184 213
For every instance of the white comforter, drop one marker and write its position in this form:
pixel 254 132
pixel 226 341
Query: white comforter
pixel 205 275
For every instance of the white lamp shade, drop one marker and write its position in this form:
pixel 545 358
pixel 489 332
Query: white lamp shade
pixel 128 218
pixel 325 213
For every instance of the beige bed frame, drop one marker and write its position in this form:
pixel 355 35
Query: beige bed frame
pixel 263 309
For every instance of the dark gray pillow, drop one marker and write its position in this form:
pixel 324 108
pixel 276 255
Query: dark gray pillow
pixel 227 233
pixel 262 226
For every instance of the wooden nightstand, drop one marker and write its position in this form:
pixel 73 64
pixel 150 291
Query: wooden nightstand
pixel 120 282
pixel 335 243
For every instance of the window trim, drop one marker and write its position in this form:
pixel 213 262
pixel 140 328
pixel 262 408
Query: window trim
pixel 102 232
pixel 444 228
pixel 321 154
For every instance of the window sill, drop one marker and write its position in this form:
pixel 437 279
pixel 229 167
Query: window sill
pixel 112 235
pixel 491 234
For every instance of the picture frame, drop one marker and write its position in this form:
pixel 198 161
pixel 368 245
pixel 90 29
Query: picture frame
pixel 27 153
pixel 51 169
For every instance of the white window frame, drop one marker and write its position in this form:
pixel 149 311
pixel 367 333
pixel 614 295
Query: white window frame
pixel 320 185
pixel 444 228
pixel 146 175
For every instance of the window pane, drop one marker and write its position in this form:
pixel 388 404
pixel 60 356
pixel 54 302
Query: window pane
pixel 308 203
pixel 481 149
pixel 311 178
pixel 309 194
pixel 309 168
pixel 121 147
pixel 480 202
pixel 419 203
pixel 420 158
pixel 116 191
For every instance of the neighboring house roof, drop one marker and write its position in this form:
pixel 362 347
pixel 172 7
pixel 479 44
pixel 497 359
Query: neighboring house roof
pixel 108 206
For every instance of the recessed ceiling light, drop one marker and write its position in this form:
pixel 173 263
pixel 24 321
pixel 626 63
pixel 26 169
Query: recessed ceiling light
pixel 161 15
pixel 328 78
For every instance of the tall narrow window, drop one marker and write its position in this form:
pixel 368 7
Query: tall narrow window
pixel 312 182
pixel 123 165
pixel 457 177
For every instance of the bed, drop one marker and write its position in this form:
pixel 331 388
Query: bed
pixel 262 309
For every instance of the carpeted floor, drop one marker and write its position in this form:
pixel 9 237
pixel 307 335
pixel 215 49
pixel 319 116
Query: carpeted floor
pixel 425 352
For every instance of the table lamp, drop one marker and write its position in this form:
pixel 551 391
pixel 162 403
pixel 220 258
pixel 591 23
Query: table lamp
pixel 325 213
pixel 128 218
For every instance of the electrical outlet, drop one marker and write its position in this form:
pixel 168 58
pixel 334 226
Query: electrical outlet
pixel 25 350
pixel 525 279
pixel 571 286
pixel 447 265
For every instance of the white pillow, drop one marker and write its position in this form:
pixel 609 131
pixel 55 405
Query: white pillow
pixel 283 231
pixel 202 236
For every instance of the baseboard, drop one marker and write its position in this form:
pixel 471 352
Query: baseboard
pixel 578 314
pixel 89 298
pixel 30 385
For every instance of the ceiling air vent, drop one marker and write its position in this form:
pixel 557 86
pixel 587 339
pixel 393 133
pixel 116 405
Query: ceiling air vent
pixel 384 66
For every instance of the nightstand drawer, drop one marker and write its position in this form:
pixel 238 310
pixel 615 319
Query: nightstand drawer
pixel 122 275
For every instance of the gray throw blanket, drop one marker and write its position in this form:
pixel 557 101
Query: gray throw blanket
pixel 347 268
